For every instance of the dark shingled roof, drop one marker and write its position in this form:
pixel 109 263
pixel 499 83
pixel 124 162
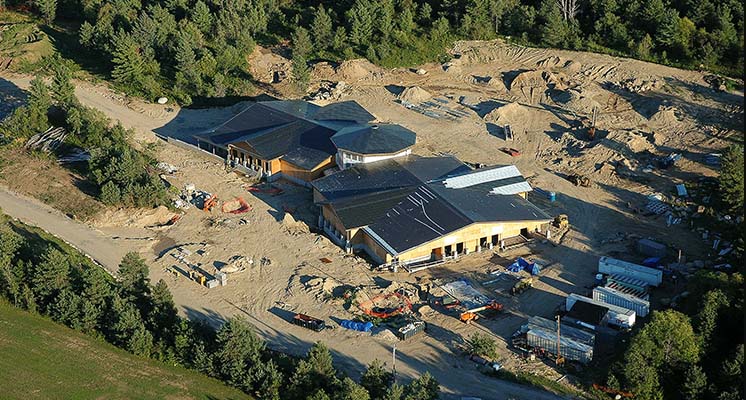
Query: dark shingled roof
pixel 357 211
pixel 375 139
pixel 343 111
pixel 419 218
pixel 255 118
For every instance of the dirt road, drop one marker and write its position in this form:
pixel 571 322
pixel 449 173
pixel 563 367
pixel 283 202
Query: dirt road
pixel 95 244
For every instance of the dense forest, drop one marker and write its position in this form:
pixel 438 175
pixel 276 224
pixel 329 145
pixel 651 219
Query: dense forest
pixel 199 47
pixel 42 275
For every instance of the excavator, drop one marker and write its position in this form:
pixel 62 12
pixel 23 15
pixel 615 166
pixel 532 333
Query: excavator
pixel 210 202
pixel 471 315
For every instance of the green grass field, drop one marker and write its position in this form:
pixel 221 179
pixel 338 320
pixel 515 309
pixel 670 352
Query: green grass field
pixel 40 359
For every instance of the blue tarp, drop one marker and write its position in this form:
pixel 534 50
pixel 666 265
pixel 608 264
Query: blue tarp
pixel 521 264
pixel 357 326
pixel 651 262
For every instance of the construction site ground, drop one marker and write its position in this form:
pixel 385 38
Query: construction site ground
pixel 644 111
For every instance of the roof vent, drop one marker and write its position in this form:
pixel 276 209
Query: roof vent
pixel 374 127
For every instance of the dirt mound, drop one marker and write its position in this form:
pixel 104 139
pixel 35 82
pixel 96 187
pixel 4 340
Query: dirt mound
pixel 576 101
pixel 293 226
pixel 323 70
pixel 639 85
pixel 638 143
pixel 415 94
pixel 268 67
pixel 533 85
pixel 134 218
pixel 386 335
pixel 497 83
pixel 665 116
pixel 352 70
pixel 555 63
pixel 511 113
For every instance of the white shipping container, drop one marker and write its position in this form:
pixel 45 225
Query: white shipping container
pixel 617 298
pixel 609 266
pixel 616 315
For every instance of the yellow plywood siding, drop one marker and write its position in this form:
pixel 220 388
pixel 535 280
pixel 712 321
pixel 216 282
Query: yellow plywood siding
pixel 303 174
pixel 470 236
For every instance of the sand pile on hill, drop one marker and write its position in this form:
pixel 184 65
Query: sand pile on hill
pixel 268 67
pixel 665 116
pixel 352 70
pixel 638 143
pixel 533 85
pixel 386 335
pixel 415 94
pixel 560 64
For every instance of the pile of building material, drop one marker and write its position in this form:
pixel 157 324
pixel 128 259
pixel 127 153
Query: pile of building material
pixel 330 91
pixel 47 141
pixel 192 196
pixel 638 85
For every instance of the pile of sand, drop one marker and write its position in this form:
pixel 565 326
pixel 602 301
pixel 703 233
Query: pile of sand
pixel 134 217
pixel 665 116
pixel 415 94
pixel 353 70
pixel 293 226
pixel 385 335
pixel 638 143
pixel 511 113
pixel 268 67
pixel 534 84
pixel 576 101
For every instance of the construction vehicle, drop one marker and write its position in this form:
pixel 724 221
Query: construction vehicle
pixel 309 322
pixel 210 202
pixel 579 180
pixel 561 221
pixel 521 286
pixel 592 128
pixel 471 315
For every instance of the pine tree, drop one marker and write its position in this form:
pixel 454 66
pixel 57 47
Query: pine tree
pixel 322 29
pixel 423 388
pixel 129 66
pixel 238 350
pixel 361 17
pixel 339 42
pixel 695 383
pixel 301 49
pixel 731 178
pixel 134 283
pixel 62 88
pixel 425 14
pixel 163 316
pixel 51 275
pixel 38 105
pixel 201 16
pixel 376 379
pixel 47 9
pixel 385 19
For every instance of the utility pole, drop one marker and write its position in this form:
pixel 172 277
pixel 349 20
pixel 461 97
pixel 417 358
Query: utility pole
pixel 393 370
pixel 559 357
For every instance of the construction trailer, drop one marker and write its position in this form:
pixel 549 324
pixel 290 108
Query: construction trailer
pixel 569 349
pixel 614 315
pixel 566 331
pixel 611 266
pixel 612 296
